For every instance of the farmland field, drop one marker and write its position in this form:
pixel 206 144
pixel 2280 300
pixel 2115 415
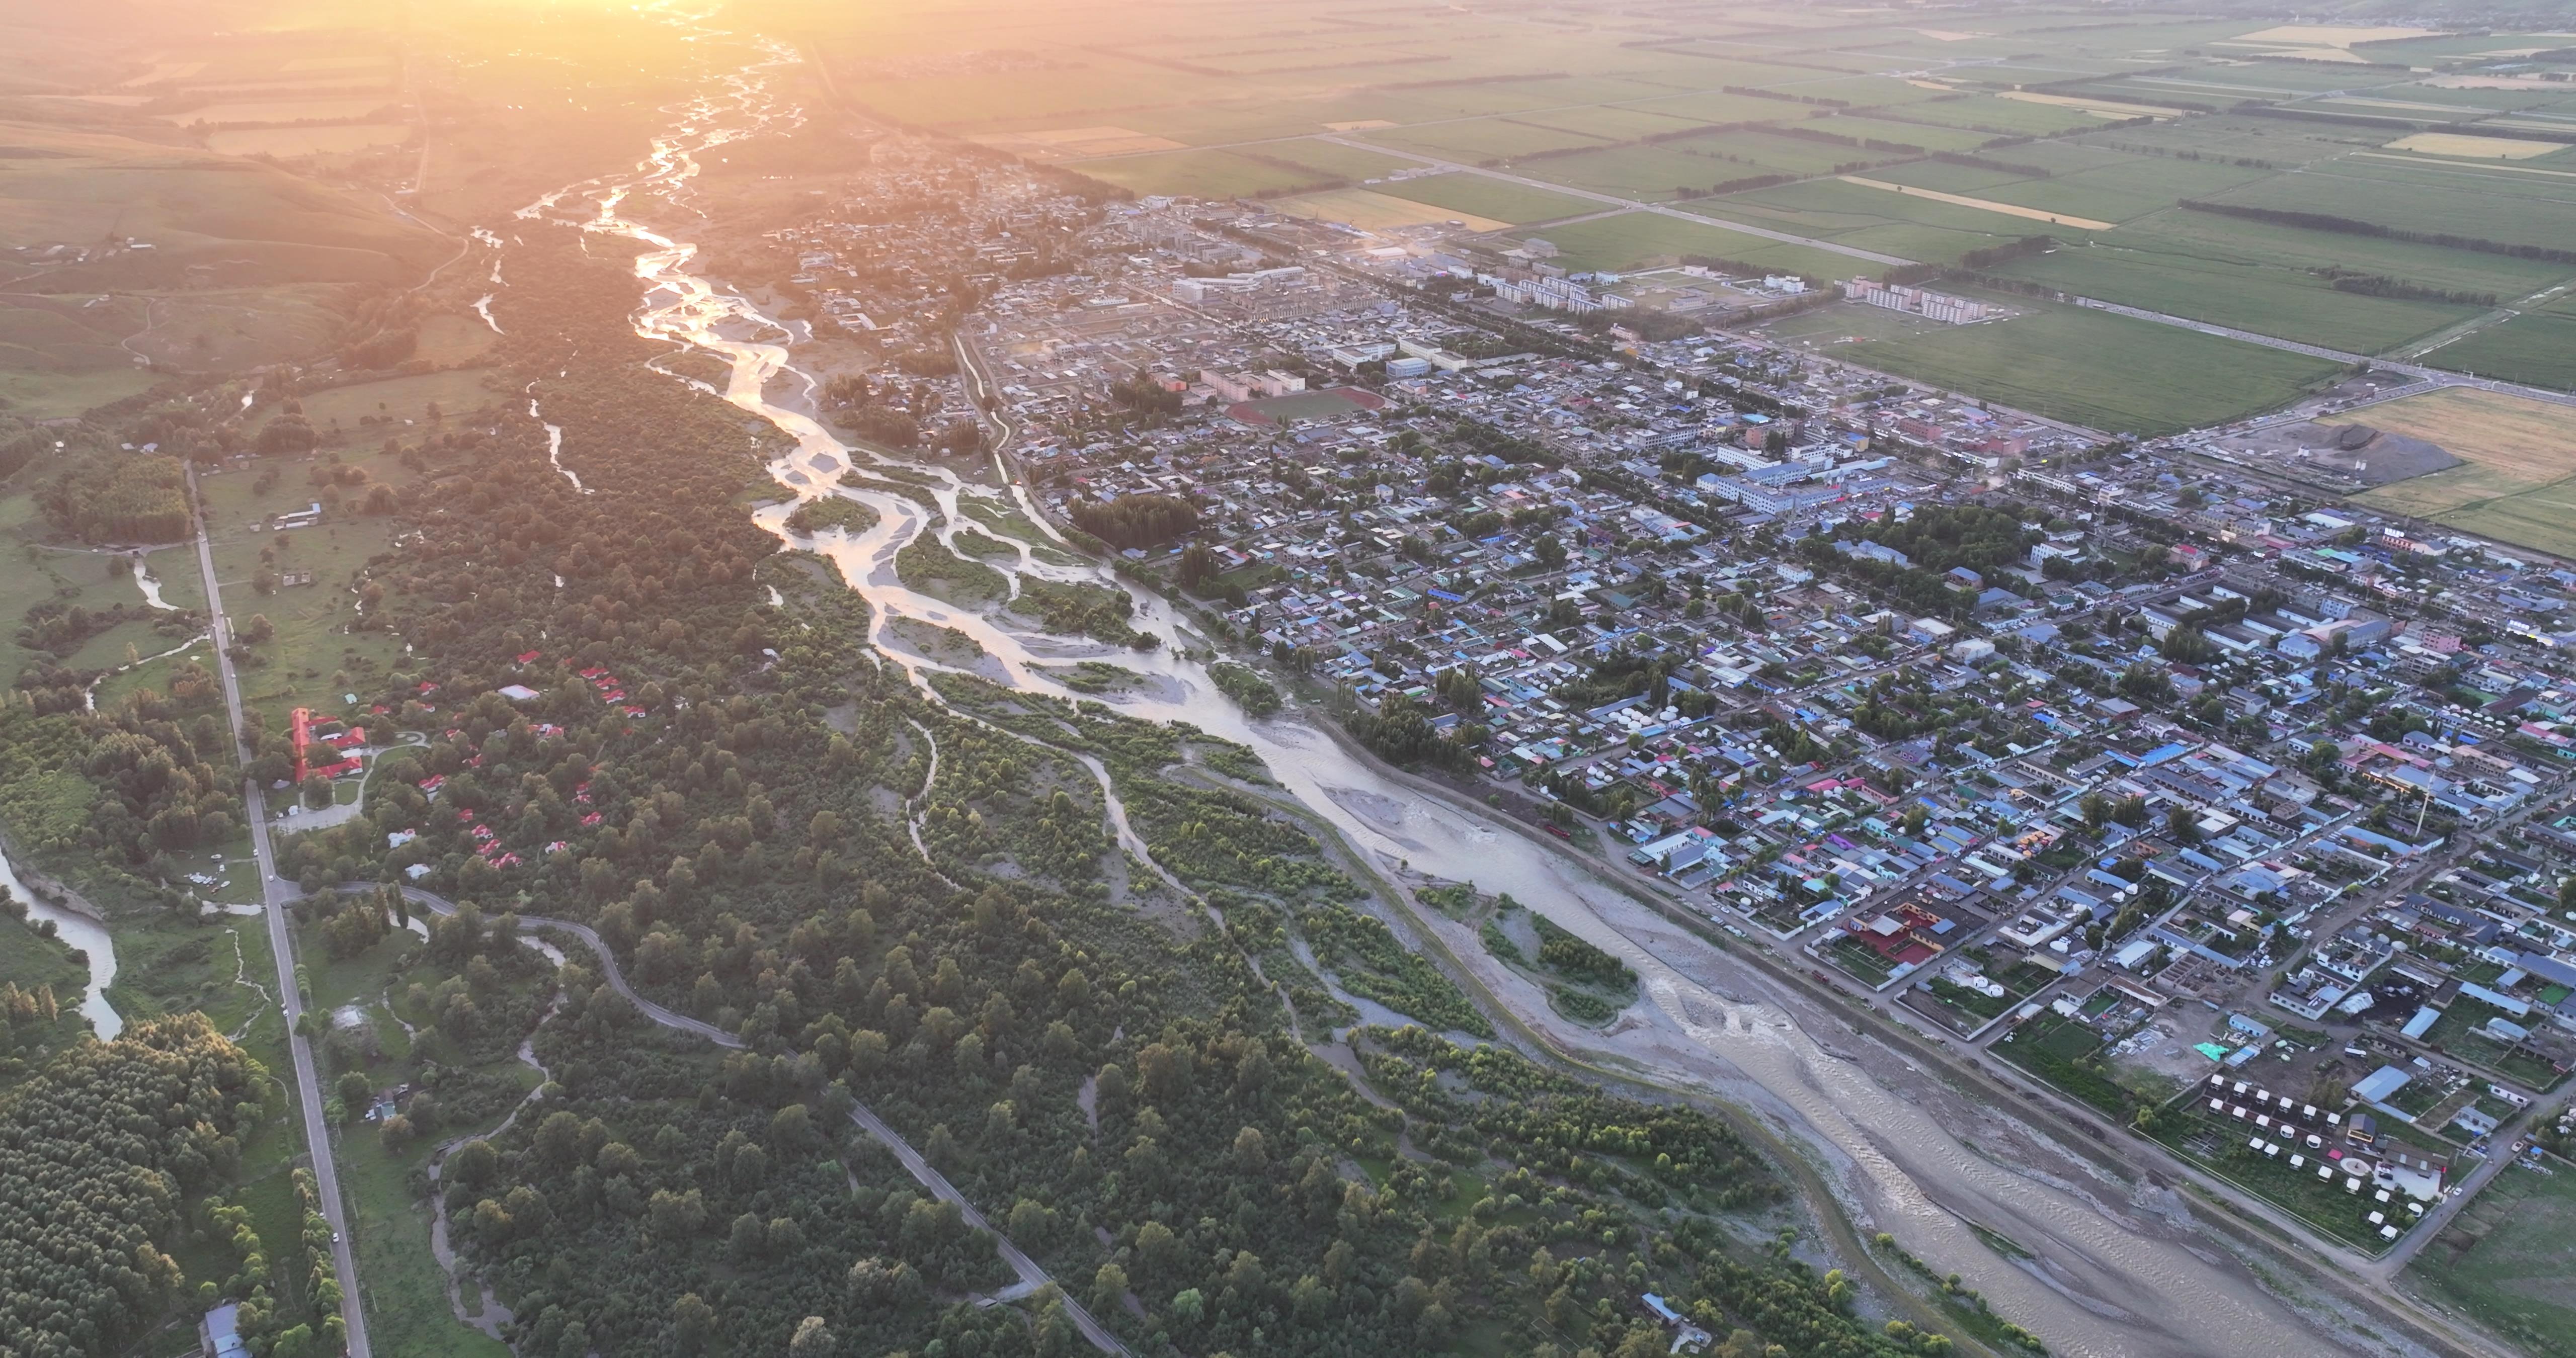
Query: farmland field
pixel 2504 1261
pixel 1481 140
pixel 2519 484
pixel 1203 174
pixel 2538 348
pixel 2099 370
pixel 1487 197
pixel 1630 239
pixel 1370 210
pixel 290 142
pixel 2284 303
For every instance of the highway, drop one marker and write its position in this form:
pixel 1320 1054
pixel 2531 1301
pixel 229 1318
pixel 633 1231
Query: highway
pixel 274 899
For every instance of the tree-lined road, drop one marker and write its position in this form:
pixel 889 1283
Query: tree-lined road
pixel 274 897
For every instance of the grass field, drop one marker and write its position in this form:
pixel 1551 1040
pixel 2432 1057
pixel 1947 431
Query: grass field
pixel 456 393
pixel 1203 174
pixel 313 659
pixel 454 338
pixel 2503 208
pixel 1633 238
pixel 2292 304
pixel 2520 482
pixel 1371 210
pixel 287 143
pixel 2538 348
pixel 1481 140
pixel 2504 1261
pixel 2099 370
pixel 1481 196
pixel 1329 158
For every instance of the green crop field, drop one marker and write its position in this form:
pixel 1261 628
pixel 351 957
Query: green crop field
pixel 1480 140
pixel 2103 371
pixel 1929 136
pixel 1481 196
pixel 1875 219
pixel 2283 303
pixel 2538 348
pixel 2001 117
pixel 1203 174
pixel 1327 158
pixel 2497 204
pixel 1631 239
pixel 2504 1261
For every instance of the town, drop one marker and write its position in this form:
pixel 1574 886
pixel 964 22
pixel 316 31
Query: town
pixel 2222 809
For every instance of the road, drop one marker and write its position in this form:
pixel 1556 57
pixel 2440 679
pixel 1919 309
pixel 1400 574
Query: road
pixel 274 898
pixel 1032 1275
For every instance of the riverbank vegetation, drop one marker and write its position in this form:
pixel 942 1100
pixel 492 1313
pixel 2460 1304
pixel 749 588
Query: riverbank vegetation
pixel 1082 609
pixel 1244 684
pixel 927 566
pixel 832 511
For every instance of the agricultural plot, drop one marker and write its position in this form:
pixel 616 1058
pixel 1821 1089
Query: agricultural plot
pixel 1993 114
pixel 289 143
pixel 2538 348
pixel 2288 304
pixel 2504 1261
pixel 2209 237
pixel 1482 196
pixel 1631 239
pixel 1204 174
pixel 1928 136
pixel 1610 121
pixel 1327 158
pixel 1482 140
pixel 2503 209
pixel 1873 219
pixel 2519 484
pixel 1370 210
pixel 2100 370
pixel 1725 106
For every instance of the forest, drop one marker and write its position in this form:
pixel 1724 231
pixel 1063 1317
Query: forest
pixel 98 1153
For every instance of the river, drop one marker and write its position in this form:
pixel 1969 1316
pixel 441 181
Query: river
pixel 84 934
pixel 1909 1157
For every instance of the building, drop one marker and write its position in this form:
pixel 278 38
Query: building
pixel 220 1332
pixel 1934 306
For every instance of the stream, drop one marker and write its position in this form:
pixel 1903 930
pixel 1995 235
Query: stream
pixel 2100 1285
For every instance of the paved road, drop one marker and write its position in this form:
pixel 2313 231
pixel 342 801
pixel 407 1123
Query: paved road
pixel 1032 1275
pixel 274 897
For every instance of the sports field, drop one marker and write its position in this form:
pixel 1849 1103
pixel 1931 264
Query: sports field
pixel 2519 484
pixel 2504 1261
